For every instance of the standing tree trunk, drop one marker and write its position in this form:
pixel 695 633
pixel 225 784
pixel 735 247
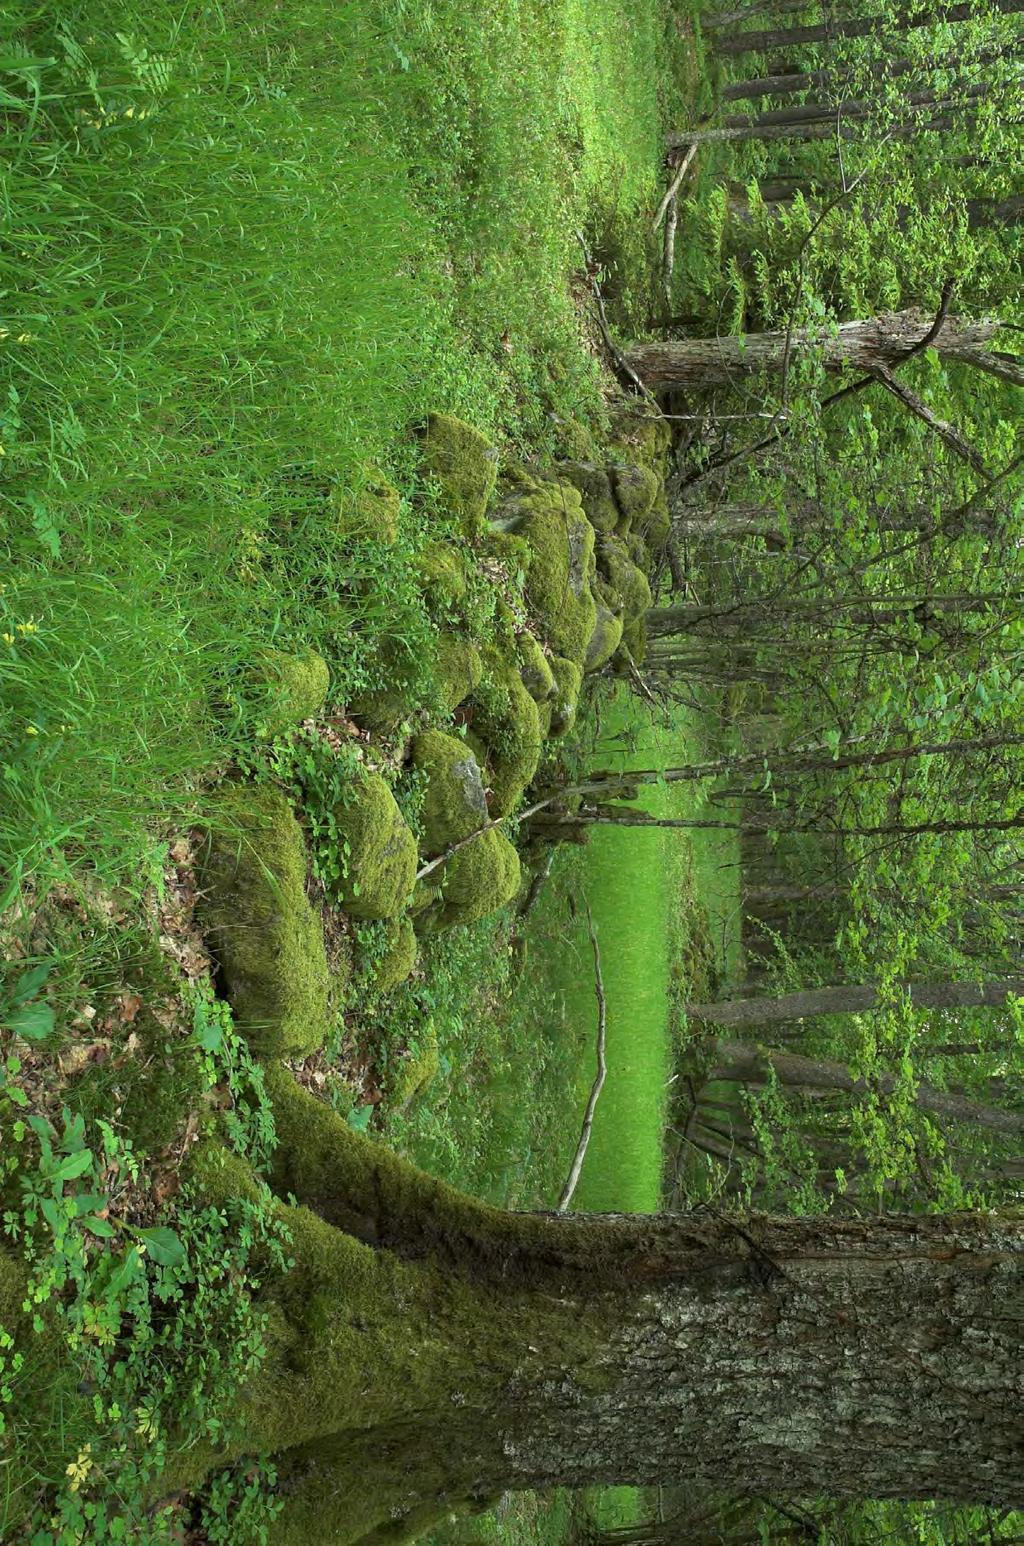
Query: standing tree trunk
pixel 783 38
pixel 870 345
pixel 853 998
pixel 455 1351
pixel 742 1064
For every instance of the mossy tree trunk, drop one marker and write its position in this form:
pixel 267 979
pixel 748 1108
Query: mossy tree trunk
pixel 428 1348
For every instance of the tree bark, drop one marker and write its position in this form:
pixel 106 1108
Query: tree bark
pixel 852 998
pixel 783 38
pixel 866 610
pixel 743 1064
pixel 868 345
pixel 477 1351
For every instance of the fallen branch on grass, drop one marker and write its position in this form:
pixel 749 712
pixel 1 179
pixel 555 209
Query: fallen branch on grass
pixel 596 1088
pixel 673 187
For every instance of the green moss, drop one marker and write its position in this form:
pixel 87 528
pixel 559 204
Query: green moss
pixel 454 804
pixel 568 681
pixel 558 585
pixel 628 582
pixel 638 551
pixel 443 578
pixel 296 687
pixel 642 433
pixel 634 638
pixel 465 465
pixel 605 640
pixel 371 512
pixel 261 926
pixel 575 440
pixel 398 957
pixel 418 1068
pixel 510 551
pixel 380 858
pixel 457 669
pixel 535 669
pixel 505 719
pixel 636 489
pixel 479 879
pixel 656 526
pixel 595 489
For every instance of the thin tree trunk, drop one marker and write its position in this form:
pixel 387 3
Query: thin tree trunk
pixel 781 39
pixel 743 1064
pixel 870 610
pixel 869 345
pixel 850 998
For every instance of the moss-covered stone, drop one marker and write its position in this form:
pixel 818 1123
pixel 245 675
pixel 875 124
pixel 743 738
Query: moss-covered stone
pixel 465 465
pixel 636 489
pixel 628 582
pixel 260 924
pixel 418 1068
pixel 398 957
pixel 558 585
pixel 568 681
pixel 634 639
pixel 454 803
pixel 575 440
pixel 505 719
pixel 656 526
pixel 371 512
pixel 638 551
pixel 639 430
pixel 443 576
pixel 457 669
pixel 535 669
pixel 296 687
pixel 380 858
pixel 484 874
pixel 510 551
pixel 605 640
pixel 595 489
pixel 479 879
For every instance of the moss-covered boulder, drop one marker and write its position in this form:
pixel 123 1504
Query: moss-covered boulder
pixel 634 639
pixel 595 490
pixel 371 512
pixel 443 578
pixel 417 1068
pixel 639 433
pixel 574 440
pixel 558 591
pixel 505 719
pixel 457 670
pixel 605 640
pixel 478 879
pixel 628 582
pixel 261 926
pixel 636 489
pixel 535 669
pixel 638 551
pixel 656 526
pixel 568 681
pixel 454 803
pixel 399 690
pixel 379 851
pixel 296 687
pixel 465 465
pixel 397 958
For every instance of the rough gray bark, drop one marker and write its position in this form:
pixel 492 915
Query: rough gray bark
pixel 868 345
pixel 852 998
pixel 782 38
pixel 742 1064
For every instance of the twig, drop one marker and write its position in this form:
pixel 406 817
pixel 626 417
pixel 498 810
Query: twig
pixel 673 188
pixel 670 251
pixel 488 826
pixel 602 1070
pixel 616 353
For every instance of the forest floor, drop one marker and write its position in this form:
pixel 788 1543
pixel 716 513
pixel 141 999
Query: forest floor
pixel 304 231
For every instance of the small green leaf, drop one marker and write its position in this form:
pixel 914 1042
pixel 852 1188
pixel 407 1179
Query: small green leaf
pixel 163 1246
pixel 73 1165
pixel 359 1118
pixel 33 1021
pixel 29 983
pixel 101 1227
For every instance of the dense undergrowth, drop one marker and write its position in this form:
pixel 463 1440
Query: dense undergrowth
pixel 247 255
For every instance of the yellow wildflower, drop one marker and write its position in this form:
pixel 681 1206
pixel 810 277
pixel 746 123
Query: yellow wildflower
pixel 8 638
pixel 31 730
pixel 79 1469
pixel 29 627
